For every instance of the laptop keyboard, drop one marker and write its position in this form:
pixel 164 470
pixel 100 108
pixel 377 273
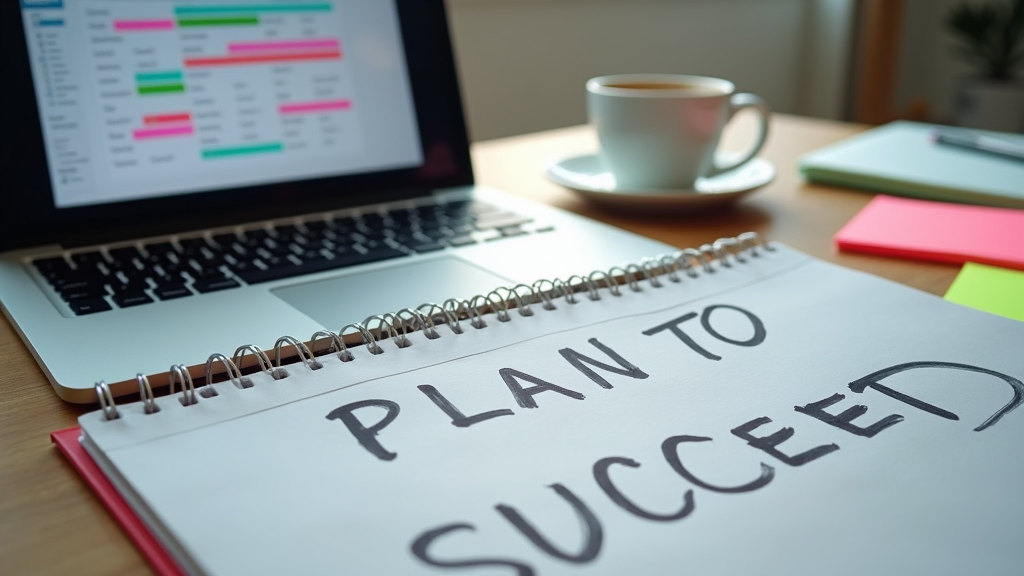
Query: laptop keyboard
pixel 119 277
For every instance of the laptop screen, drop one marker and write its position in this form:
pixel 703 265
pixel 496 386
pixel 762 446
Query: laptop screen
pixel 287 105
pixel 145 98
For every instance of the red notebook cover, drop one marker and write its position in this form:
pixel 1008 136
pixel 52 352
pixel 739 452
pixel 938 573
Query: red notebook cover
pixel 941 231
pixel 148 545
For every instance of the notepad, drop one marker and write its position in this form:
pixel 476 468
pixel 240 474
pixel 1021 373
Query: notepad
pixel 902 158
pixel 938 231
pixel 733 409
pixel 996 290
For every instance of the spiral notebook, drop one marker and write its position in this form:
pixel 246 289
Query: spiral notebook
pixel 737 408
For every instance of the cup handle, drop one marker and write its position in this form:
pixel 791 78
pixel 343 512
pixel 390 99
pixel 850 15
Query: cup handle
pixel 738 102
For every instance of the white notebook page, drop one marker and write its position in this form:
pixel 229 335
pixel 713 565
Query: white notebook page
pixel 662 461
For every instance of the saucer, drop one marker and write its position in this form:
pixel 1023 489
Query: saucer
pixel 587 176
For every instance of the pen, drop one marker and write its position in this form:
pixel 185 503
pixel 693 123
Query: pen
pixel 980 143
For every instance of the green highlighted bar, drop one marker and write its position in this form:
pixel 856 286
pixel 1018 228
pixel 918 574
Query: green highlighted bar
pixel 251 8
pixel 158 76
pixel 242 150
pixel 161 89
pixel 225 21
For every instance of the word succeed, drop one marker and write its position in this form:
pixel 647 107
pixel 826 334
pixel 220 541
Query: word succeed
pixel 593 534
pixel 526 389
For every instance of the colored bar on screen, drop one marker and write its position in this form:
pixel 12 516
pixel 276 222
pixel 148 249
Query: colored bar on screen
pixel 260 58
pixel 143 25
pixel 150 133
pixel 284 45
pixel 242 150
pixel 158 76
pixel 251 8
pixel 37 4
pixel 50 22
pixel 225 21
pixel 161 89
pixel 311 107
pixel 166 118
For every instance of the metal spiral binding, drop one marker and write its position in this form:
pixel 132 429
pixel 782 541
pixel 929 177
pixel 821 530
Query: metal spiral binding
pixel 337 345
pixel 427 317
pixel 106 400
pixel 395 327
pixel 261 359
pixel 425 322
pixel 179 373
pixel 300 349
pixel 368 340
pixel 146 392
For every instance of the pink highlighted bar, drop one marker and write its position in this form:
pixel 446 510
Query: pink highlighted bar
pixel 310 107
pixel 143 25
pixel 283 45
pixel 148 133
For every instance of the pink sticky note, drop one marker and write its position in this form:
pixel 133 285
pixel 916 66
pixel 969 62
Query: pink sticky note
pixel 926 230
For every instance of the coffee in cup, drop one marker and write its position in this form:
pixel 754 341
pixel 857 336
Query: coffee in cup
pixel 661 131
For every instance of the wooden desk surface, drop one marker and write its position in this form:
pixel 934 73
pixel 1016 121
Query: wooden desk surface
pixel 50 523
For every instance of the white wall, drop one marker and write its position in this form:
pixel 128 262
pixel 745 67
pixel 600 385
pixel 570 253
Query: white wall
pixel 523 63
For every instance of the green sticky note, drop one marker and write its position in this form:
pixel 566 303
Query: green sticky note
pixel 996 290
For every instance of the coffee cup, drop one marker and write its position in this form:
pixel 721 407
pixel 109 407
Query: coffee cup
pixel 661 131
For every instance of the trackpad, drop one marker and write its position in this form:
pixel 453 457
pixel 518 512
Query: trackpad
pixel 339 301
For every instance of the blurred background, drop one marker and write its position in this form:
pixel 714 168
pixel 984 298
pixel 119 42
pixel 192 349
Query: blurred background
pixel 523 63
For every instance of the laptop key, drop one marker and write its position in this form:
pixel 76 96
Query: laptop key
pixel 161 254
pixel 135 272
pixel 159 249
pixel 134 285
pixel 315 226
pixel 512 231
pixel 342 225
pixel 193 245
pixel 225 240
pixel 206 274
pixel 83 291
pixel 215 284
pixel 204 261
pixel 124 254
pixel 88 260
pixel 131 298
pixel 310 255
pixel 287 232
pixel 406 240
pixel 171 291
pixel 170 273
pixel 254 238
pixel 89 306
pixel 461 241
pixel 126 265
pixel 433 232
pixel 272 261
pixel 78 278
pixel 52 268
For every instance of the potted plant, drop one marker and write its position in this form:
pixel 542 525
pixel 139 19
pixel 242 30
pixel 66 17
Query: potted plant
pixel 991 39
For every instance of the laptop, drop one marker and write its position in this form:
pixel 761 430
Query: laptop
pixel 191 176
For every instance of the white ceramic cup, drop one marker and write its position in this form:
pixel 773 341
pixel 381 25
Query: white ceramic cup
pixel 661 131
